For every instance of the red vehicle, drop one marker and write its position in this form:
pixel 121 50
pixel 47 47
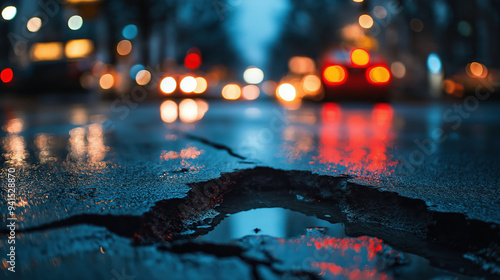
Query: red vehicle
pixel 355 74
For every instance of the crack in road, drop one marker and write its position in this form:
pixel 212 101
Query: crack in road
pixel 212 144
pixel 364 210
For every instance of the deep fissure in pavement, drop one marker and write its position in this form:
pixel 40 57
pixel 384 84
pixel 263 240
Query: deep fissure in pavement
pixel 405 223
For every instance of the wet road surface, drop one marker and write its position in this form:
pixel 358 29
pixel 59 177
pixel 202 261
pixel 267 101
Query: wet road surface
pixel 84 171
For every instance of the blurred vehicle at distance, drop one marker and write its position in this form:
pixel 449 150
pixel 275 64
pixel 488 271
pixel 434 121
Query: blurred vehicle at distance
pixel 355 74
pixel 52 63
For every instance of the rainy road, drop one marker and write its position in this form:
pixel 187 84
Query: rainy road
pixel 93 177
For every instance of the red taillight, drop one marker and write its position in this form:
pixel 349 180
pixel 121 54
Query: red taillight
pixel 378 75
pixel 334 75
pixel 6 75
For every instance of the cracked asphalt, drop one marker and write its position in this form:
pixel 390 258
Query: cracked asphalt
pixel 86 159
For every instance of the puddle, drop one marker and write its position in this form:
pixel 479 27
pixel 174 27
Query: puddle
pixel 276 222
pixel 294 226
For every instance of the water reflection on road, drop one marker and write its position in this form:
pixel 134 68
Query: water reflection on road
pixel 342 139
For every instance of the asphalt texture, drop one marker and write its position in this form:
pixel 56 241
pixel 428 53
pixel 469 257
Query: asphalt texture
pixel 118 160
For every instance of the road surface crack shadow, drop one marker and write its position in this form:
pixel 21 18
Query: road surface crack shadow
pixel 212 144
pixel 404 223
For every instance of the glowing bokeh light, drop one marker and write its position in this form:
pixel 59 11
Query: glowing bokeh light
pixel 365 21
pixel 135 69
pixel 14 126
pixel 168 85
pixel 201 85
pixel 188 110
pixel 379 12
pixel 434 63
pixel 106 81
pixel 231 92
pixel 449 86
pixel 301 65
pixel 47 51
pixel 253 75
pixel 202 108
pixel 476 70
pixel 398 69
pixel 78 48
pixel 334 74
pixel 286 92
pixel 34 24
pixel 143 77
pixel 75 22
pixel 129 32
pixel 311 84
pixel 124 47
pixel 192 61
pixel 168 111
pixel 379 75
pixel 250 92
pixel 360 57
pixel 9 12
pixel 6 75
pixel 187 84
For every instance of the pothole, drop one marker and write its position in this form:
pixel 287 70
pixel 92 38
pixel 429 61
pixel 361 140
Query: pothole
pixel 276 222
pixel 334 254
pixel 404 223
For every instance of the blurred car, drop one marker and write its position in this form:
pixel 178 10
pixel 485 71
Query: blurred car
pixel 53 66
pixel 355 74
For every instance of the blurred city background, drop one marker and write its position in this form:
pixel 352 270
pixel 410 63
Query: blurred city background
pixel 245 50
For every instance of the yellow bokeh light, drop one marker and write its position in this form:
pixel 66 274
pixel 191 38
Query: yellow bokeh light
pixel 286 91
pixel 124 47
pixel 334 74
pixel 143 77
pixel 34 24
pixel 187 84
pixel 201 85
pixel 250 92
pixel 79 48
pixel 168 85
pixel 46 51
pixel 311 84
pixel 360 57
pixel 231 92
pixel 379 75
pixel 168 111
pixel 365 21
pixel 106 81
